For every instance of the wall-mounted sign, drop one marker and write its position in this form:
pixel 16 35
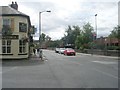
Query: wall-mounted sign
pixel 9 37
pixel 22 27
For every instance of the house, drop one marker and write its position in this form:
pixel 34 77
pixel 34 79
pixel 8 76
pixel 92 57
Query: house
pixel 107 41
pixel 14 33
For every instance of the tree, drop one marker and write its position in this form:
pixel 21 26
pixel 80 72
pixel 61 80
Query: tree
pixel 33 30
pixel 87 31
pixel 42 37
pixel 72 33
pixel 68 36
pixel 47 38
pixel 75 33
pixel 79 41
pixel 83 40
pixel 114 32
pixel 45 41
pixel 55 43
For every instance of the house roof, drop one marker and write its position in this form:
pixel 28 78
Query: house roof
pixel 9 11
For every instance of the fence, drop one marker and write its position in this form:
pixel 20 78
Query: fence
pixel 100 52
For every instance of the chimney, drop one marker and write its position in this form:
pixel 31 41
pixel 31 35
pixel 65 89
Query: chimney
pixel 14 5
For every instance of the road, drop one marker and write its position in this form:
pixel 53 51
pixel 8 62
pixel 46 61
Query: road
pixel 59 71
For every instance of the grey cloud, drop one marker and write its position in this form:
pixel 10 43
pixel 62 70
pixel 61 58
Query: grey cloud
pixel 38 6
pixel 51 21
pixel 103 31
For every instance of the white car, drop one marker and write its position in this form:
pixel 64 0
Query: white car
pixel 57 50
pixel 61 50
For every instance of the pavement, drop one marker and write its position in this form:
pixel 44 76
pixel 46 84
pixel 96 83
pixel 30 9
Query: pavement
pixel 36 57
pixel 116 57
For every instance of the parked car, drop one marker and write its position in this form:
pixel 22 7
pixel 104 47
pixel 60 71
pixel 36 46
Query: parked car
pixel 57 50
pixel 69 51
pixel 61 50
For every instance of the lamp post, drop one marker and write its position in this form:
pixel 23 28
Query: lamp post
pixel 40 28
pixel 96 24
pixel 94 34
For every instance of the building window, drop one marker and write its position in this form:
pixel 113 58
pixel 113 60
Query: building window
pixel 22 46
pixel 22 27
pixel 7 22
pixel 6 46
pixel 6 29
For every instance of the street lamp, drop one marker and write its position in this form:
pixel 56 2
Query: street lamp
pixel 40 29
pixel 94 34
pixel 96 24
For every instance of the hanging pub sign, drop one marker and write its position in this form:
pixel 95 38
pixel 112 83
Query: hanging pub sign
pixel 9 36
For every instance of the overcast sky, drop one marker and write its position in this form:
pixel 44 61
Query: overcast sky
pixel 69 12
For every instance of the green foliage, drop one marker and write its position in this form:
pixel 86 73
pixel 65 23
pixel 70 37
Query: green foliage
pixel 55 43
pixel 82 38
pixel 115 32
pixel 42 37
pixel 32 45
pixel 85 37
pixel 79 42
pixel 72 33
pixel 87 33
pixel 45 41
pixel 78 37
pixel 113 48
pixel 33 30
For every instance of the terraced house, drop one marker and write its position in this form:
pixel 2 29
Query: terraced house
pixel 14 28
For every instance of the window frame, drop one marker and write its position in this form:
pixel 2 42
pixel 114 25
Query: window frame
pixel 6 46
pixel 7 22
pixel 22 46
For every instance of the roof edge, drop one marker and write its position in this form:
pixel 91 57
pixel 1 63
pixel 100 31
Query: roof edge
pixel 18 15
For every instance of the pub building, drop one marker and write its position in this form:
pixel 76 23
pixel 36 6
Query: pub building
pixel 14 37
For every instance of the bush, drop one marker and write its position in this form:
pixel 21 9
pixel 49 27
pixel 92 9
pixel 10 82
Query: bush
pixel 113 48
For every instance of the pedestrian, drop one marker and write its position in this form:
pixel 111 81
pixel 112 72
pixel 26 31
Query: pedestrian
pixel 34 51
pixel 37 50
pixel 40 54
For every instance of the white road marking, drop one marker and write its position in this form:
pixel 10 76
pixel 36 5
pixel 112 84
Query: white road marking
pixel 105 62
pixel 115 57
pixel 71 61
pixel 108 74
